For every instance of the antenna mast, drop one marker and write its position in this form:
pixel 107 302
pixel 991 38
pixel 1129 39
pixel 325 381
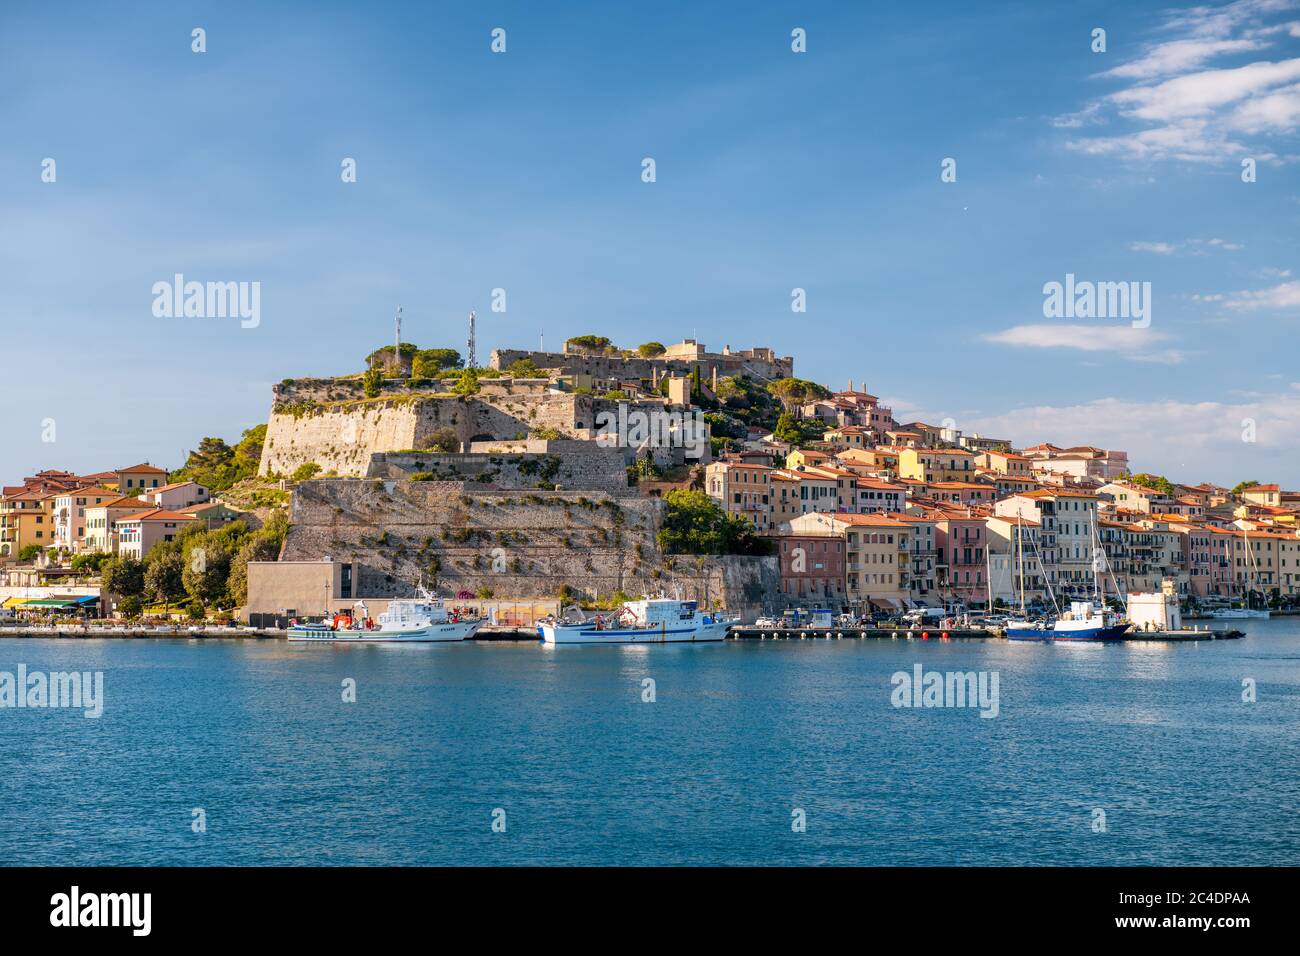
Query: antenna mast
pixel 471 362
pixel 397 343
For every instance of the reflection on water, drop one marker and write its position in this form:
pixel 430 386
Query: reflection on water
pixel 260 736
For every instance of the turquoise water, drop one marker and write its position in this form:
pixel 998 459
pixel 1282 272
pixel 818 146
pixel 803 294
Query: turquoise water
pixel 257 735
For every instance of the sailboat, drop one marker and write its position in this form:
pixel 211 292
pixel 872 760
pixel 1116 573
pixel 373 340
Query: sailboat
pixel 1246 611
pixel 1085 621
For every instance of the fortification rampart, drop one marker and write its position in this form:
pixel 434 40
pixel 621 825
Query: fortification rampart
pixel 512 544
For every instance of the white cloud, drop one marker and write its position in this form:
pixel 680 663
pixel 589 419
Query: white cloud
pixel 1184 110
pixel 1197 94
pixel 1138 345
pixel 1195 247
pixel 1177 56
pixel 1284 297
pixel 1191 141
pixel 1276 111
pixel 1190 441
pixel 1160 248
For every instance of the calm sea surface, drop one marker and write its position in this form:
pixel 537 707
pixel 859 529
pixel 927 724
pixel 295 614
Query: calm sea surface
pixel 257 734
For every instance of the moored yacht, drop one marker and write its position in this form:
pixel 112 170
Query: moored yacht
pixel 1085 621
pixel 418 620
pixel 648 621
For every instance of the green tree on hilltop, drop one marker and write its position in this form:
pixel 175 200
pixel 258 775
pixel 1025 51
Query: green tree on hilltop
pixel 217 466
pixel 524 368
pixel 434 363
pixel 382 357
pixel 593 343
pixel 793 392
pixel 468 382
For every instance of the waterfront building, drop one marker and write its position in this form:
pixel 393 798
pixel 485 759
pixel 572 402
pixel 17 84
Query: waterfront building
pixel 961 537
pixel 26 518
pixel 1014 551
pixel 138 533
pixel 812 567
pixel 101 522
pixel 70 515
pixel 922 577
pixel 876 554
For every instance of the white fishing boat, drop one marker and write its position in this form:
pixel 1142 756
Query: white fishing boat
pixel 1089 620
pixel 1230 613
pixel 418 620
pixel 649 621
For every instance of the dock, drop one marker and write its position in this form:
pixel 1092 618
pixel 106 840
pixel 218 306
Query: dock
pixel 1186 634
pixel 489 633
pixel 508 633
pixel 745 633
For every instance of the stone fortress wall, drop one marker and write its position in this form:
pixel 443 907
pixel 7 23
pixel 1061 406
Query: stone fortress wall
pixel 680 359
pixel 330 421
pixel 517 544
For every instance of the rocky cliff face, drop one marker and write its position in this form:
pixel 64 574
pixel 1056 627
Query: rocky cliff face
pixel 516 544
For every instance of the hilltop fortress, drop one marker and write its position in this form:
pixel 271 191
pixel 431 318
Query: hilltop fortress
pixel 684 358
pixel 510 489
pixel 333 423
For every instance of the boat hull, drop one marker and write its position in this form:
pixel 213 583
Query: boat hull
pixel 685 633
pixel 1114 632
pixel 430 633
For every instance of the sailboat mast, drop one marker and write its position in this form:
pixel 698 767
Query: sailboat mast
pixel 988 568
pixel 1020 554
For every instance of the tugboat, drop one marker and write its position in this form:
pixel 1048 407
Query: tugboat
pixel 420 620
pixel 648 621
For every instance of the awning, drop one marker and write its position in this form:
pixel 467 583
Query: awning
pixel 72 600
pixel 887 602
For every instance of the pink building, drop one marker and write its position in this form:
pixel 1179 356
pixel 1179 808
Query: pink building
pixel 961 539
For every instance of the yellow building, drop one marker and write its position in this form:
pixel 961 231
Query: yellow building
pixel 138 478
pixel 877 555
pixel 1006 463
pixel 936 464
pixel 806 458
pixel 26 518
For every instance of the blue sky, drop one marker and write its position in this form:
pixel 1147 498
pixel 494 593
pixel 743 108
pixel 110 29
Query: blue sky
pixel 775 170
